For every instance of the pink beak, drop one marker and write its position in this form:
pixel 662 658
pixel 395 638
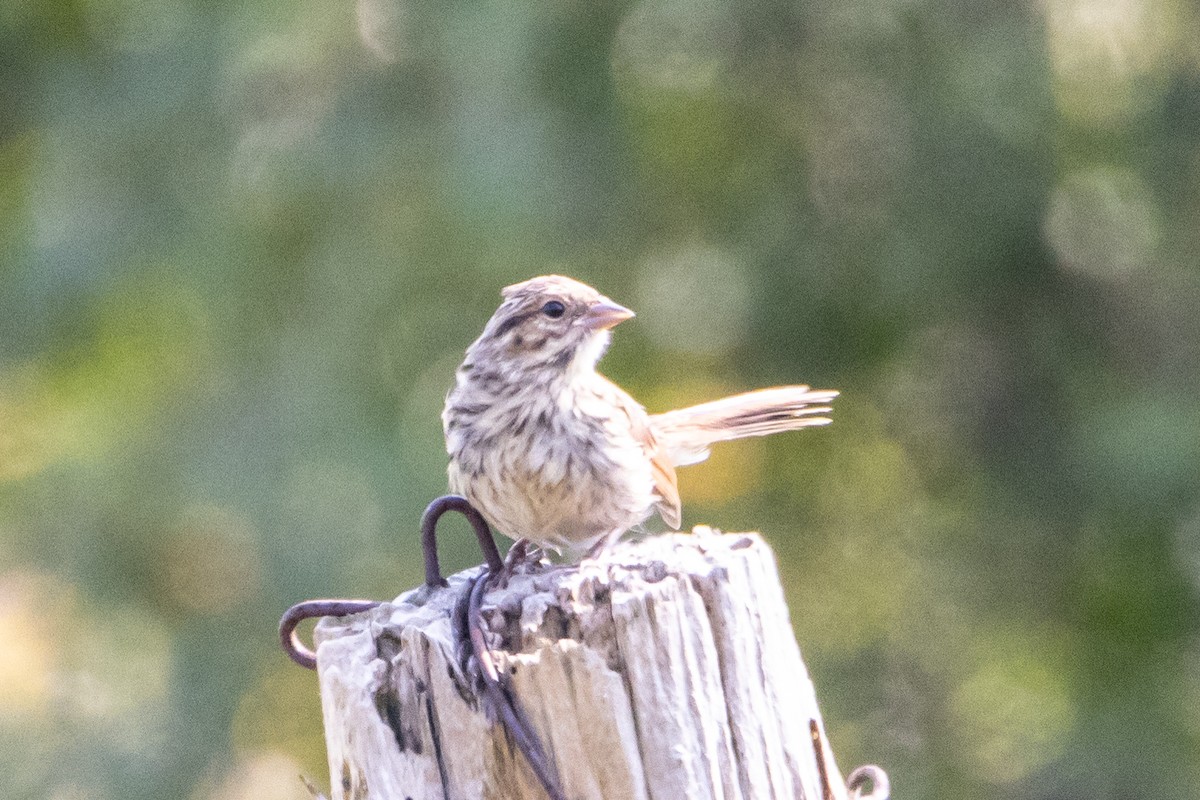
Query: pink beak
pixel 605 314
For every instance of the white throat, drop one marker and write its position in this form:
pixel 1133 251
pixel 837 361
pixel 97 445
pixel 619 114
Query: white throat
pixel 587 356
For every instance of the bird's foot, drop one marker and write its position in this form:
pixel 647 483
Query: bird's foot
pixel 522 556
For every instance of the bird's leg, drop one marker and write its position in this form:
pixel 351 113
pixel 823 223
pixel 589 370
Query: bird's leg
pixel 520 554
pixel 602 545
pixel 517 555
pixel 523 556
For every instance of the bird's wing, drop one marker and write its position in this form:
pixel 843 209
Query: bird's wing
pixel 665 483
pixel 661 466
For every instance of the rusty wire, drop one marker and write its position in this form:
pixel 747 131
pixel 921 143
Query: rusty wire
pixel 297 650
pixel 496 693
pixel 859 777
pixel 483 534
pixel 500 696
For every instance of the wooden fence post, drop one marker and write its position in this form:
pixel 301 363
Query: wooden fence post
pixel 666 671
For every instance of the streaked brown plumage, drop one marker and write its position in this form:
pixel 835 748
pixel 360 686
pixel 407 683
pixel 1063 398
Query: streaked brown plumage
pixel 551 451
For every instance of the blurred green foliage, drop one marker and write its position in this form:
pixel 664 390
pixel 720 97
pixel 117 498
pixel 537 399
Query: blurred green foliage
pixel 243 246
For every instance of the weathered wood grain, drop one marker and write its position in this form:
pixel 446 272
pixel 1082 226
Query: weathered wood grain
pixel 667 670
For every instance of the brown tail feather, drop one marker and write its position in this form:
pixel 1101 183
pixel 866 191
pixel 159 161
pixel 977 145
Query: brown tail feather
pixel 688 433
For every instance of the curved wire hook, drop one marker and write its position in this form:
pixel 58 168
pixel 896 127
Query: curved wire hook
pixel 429 521
pixel 297 650
pixel 881 788
pixel 303 655
pixel 512 716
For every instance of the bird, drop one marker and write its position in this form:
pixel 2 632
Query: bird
pixel 550 451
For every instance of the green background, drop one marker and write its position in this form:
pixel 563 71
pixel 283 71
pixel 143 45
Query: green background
pixel 243 246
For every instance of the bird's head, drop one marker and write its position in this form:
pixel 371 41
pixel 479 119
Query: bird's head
pixel 549 323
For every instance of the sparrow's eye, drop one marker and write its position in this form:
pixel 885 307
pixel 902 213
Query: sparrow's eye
pixel 554 309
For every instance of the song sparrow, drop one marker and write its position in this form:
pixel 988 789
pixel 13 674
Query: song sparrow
pixel 551 451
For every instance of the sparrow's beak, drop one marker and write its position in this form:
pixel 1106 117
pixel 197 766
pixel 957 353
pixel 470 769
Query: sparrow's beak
pixel 605 314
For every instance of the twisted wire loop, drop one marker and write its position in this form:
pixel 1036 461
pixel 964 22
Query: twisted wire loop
pixel 499 697
pixel 868 773
pixel 303 655
pixel 498 694
pixel 469 617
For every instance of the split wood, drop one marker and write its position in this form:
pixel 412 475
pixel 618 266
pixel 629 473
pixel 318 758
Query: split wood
pixel 666 669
